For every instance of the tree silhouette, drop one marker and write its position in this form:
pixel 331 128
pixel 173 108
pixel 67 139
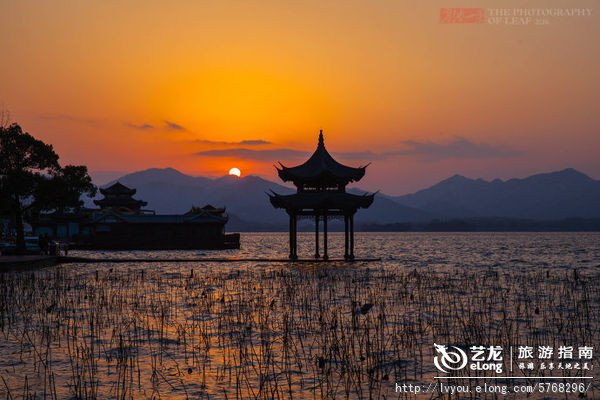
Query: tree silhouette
pixel 32 180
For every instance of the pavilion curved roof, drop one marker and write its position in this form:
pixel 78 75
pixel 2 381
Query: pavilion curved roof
pixel 321 167
pixel 321 200
pixel 118 189
pixel 119 195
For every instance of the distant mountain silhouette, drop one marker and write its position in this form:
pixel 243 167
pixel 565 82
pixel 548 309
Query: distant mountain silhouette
pixel 550 196
pixel 555 195
pixel 170 191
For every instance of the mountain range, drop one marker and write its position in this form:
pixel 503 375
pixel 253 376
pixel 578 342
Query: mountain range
pixel 555 195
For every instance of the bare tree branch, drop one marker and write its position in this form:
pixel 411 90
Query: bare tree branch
pixel 4 118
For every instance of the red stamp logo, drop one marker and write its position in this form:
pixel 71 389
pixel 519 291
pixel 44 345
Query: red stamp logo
pixel 462 15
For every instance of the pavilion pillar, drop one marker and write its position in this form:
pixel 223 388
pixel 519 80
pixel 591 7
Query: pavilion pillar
pixel 325 256
pixel 317 255
pixel 346 255
pixel 293 237
pixel 351 257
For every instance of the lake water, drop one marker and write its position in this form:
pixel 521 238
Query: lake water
pixel 261 330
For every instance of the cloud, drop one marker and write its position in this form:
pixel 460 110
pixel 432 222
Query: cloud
pixel 253 142
pixel 146 126
pixel 252 154
pixel 172 126
pixel 248 142
pixel 283 154
pixel 143 126
pixel 457 148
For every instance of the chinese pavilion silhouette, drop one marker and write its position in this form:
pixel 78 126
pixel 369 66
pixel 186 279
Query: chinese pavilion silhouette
pixel 321 195
pixel 119 197
pixel 121 223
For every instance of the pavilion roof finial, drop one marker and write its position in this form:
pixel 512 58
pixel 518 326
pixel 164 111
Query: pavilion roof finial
pixel 321 169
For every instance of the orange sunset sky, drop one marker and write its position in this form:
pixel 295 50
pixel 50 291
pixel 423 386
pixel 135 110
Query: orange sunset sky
pixel 203 86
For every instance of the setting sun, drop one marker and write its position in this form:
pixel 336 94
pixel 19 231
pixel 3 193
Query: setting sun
pixel 235 171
